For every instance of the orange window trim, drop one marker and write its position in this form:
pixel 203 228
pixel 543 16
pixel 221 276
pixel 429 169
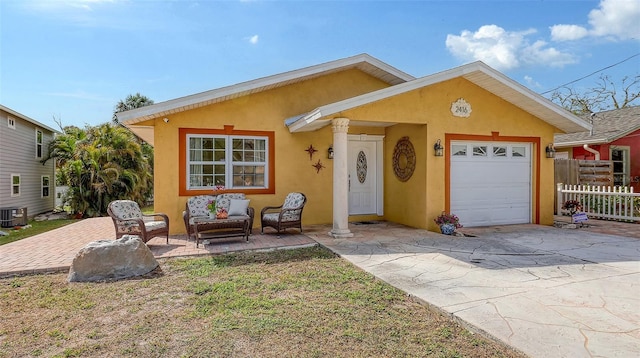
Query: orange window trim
pixel 227 130
pixel 494 137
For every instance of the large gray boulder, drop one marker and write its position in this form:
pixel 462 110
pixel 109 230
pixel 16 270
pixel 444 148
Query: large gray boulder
pixel 112 260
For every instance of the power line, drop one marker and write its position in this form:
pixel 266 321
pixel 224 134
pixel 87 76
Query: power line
pixel 592 73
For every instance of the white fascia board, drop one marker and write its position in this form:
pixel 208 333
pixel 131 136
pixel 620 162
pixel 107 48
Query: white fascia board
pixel 383 66
pixel 384 93
pixel 480 66
pixel 623 134
pixel 306 119
pixel 143 113
pixel 580 143
pixel 370 97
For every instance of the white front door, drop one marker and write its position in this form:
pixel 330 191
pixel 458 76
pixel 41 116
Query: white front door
pixel 363 177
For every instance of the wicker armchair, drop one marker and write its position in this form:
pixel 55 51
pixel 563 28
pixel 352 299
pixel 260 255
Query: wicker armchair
pixel 287 215
pixel 128 219
pixel 196 206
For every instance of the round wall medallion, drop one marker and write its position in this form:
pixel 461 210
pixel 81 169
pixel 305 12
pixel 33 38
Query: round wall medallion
pixel 404 159
pixel 361 167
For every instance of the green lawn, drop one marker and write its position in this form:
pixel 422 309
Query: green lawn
pixel 286 303
pixel 37 227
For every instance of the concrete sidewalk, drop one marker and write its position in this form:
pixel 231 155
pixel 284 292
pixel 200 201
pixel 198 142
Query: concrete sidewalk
pixel 545 291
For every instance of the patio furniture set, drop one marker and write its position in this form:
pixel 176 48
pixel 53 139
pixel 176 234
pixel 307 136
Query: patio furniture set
pixel 202 224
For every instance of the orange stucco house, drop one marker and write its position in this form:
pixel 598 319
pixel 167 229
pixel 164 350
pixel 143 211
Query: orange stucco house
pixel 468 140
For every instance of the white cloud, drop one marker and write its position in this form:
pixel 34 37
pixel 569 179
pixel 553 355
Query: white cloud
pixel 531 82
pixel 617 18
pixel 567 32
pixel 538 53
pixel 253 39
pixel 503 49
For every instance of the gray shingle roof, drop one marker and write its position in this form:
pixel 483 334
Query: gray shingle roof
pixel 607 127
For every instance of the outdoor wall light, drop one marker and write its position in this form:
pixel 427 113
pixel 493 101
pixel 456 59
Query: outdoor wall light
pixel 330 152
pixel 551 151
pixel 438 149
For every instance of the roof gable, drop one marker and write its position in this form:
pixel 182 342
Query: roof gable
pixel 608 126
pixel 363 62
pixel 477 73
pixel 30 120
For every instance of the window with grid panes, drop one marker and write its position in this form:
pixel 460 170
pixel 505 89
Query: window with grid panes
pixel 227 160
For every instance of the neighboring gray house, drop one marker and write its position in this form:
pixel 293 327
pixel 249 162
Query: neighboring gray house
pixel 24 181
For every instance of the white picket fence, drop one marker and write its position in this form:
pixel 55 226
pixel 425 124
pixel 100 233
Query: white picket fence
pixel 602 202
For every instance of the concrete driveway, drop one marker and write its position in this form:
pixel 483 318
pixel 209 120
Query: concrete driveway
pixel 545 291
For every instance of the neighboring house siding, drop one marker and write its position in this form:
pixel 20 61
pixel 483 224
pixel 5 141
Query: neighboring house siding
pixel 614 132
pixel 632 141
pixel 18 156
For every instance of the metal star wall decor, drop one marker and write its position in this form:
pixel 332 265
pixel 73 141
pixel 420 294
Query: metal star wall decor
pixel 311 150
pixel 318 166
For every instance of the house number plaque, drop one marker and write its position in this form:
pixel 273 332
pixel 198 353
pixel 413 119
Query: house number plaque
pixel 461 108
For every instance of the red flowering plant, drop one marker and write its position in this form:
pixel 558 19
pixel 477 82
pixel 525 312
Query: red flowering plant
pixel 446 218
pixel 573 206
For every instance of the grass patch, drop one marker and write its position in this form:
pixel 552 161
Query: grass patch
pixel 295 303
pixel 37 227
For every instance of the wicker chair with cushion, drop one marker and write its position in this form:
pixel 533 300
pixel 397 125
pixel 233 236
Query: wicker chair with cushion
pixel 286 215
pixel 196 206
pixel 128 219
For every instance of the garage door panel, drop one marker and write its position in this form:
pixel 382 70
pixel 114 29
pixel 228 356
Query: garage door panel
pixel 496 216
pixel 490 190
pixel 487 171
pixel 484 198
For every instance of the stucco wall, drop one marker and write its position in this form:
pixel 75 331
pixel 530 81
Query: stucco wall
pixel 423 115
pixel 264 111
pixel 427 117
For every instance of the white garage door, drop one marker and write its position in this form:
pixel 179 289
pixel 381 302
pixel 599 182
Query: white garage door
pixel 491 183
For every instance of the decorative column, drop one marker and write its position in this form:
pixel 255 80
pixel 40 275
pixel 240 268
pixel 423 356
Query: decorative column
pixel 340 229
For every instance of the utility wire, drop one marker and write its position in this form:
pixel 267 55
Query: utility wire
pixel 593 73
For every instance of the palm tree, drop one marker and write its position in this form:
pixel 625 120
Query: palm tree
pixel 101 164
pixel 132 101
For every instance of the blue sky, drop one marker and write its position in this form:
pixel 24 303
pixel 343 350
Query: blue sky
pixel 74 60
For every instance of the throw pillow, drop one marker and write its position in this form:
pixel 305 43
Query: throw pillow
pixel 238 207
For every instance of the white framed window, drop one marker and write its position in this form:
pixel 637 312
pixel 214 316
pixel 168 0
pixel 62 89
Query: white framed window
pixel 232 161
pixel 518 151
pixel 45 186
pixel 38 143
pixel 11 123
pixel 499 151
pixel 459 150
pixel 480 151
pixel 619 155
pixel 15 184
pixel 514 151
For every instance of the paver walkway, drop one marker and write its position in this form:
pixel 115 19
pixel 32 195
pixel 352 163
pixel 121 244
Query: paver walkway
pixel 606 227
pixel 54 251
